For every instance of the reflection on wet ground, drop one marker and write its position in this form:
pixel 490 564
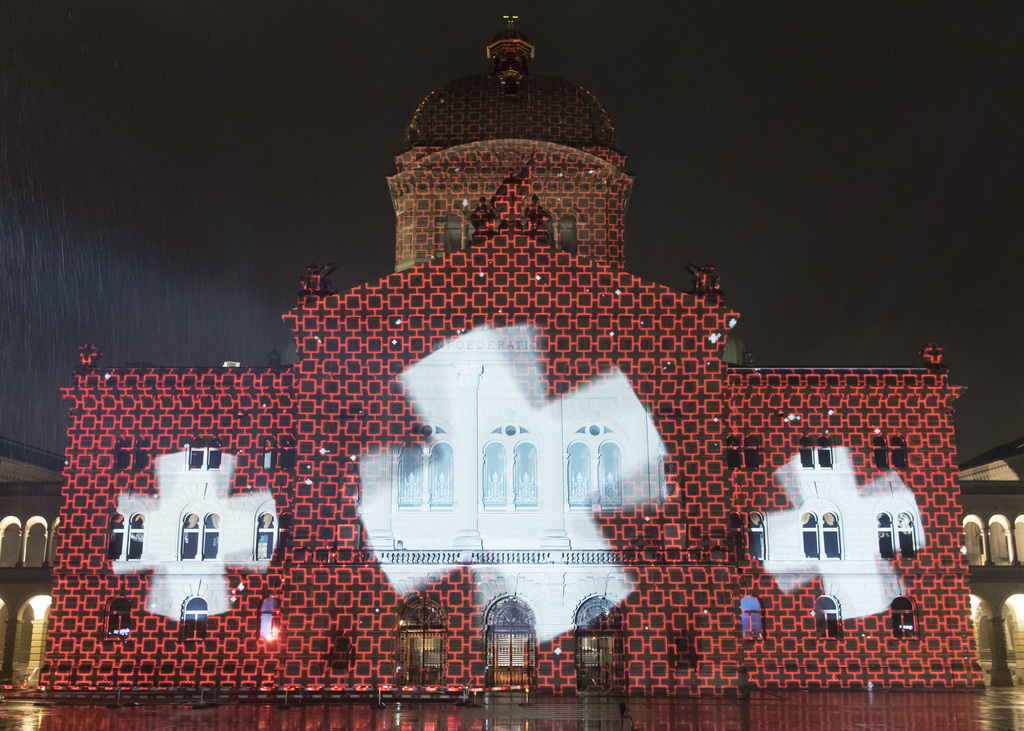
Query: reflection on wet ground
pixel 991 710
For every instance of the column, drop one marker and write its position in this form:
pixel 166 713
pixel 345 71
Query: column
pixel 467 458
pixel 1001 675
pixel 554 500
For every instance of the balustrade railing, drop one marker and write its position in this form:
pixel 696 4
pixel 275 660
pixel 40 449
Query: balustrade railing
pixel 630 556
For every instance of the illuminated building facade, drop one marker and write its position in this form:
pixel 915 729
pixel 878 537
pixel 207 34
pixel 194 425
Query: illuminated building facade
pixel 512 463
pixel 993 521
pixel 30 492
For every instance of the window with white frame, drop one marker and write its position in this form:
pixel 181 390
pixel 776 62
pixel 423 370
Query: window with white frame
pixel 211 537
pixel 266 536
pixel 816 453
pixel 594 481
pixel 426 473
pixel 906 535
pixel 510 482
pixel 822 538
pixel 193 619
pixel 205 454
pixel 831 537
pixel 757 543
pixel 136 536
pixel 812 545
pixel 826 617
pixel 200 539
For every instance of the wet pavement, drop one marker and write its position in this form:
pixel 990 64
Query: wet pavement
pixel 989 710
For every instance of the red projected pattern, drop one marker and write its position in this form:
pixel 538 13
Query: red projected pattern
pixel 681 629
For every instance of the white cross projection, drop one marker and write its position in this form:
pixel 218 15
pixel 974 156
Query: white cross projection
pixel 862 582
pixel 503 364
pixel 202 492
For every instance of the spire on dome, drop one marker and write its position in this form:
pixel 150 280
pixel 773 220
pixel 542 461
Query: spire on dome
pixel 510 54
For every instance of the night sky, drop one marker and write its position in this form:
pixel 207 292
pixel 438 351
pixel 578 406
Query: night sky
pixel 855 173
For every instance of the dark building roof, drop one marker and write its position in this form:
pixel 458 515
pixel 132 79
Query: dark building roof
pixel 23 463
pixel 1004 452
pixel 510 104
pixel 543 108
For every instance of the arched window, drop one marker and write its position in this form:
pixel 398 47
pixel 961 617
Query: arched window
pixel 452 232
pixel 211 537
pixel 810 531
pixel 826 617
pixel 578 474
pixel 266 536
pixel 898 448
pixel 123 455
pixel 10 542
pixel 190 531
pixel 879 453
pixel 286 453
pixel 756 539
pixel 30 639
pixel 215 453
pixel 422 642
pixel 825 453
pixel 999 541
pixel 270 619
pixel 525 475
pixel 752 457
pixel 816 453
pixel 131 454
pixel 410 486
pixel 495 459
pixel 974 541
pixel 35 542
pixel 119 619
pixel 442 475
pixel 904 619
pixel 886 540
pixel 1018 534
pixel 830 535
pixel 136 536
pixel 55 535
pixel 511 643
pixel 806 453
pixel 733 456
pixel 609 470
pixel 115 539
pixel 905 533
pixel 268 458
pixel 193 619
pixel 600 647
pixel 196 450
pixel 750 618
pixel 567 235
pixel 205 453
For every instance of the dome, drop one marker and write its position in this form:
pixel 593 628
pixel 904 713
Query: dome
pixel 510 104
